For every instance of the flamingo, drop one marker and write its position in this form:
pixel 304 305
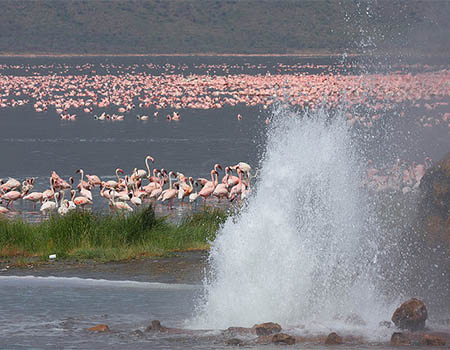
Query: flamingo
pixel 83 191
pixel 237 189
pixel 221 191
pixel 119 205
pixel 34 197
pixel 48 194
pixel 194 195
pixel 169 194
pixel 12 196
pixel 142 173
pixel 209 187
pixel 80 201
pixel 156 192
pixel 229 178
pixel 184 189
pixel 246 168
pixel 94 180
pixel 112 183
pixel 48 205
pixel 3 210
pixel 65 206
pixel 10 184
pixel 135 200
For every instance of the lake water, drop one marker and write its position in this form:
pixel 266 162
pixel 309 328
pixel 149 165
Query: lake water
pixel 33 144
pixel 53 313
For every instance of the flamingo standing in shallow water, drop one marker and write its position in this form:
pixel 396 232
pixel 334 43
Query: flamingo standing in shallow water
pixel 209 187
pixel 34 197
pixel 169 194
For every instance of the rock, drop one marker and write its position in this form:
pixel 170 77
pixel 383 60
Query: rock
pixel 155 327
pixel 434 207
pixel 282 338
pixel 138 333
pixel 334 339
pixel 234 342
pixel 267 328
pixel 99 328
pixel 398 339
pixel 239 330
pixel 433 340
pixel 411 315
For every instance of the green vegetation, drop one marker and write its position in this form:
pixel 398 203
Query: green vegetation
pixel 84 235
pixel 221 26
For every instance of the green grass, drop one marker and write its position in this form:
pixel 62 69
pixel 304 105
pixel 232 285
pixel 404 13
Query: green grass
pixel 84 235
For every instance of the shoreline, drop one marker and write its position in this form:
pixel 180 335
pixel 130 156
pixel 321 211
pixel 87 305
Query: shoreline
pixel 181 267
pixel 62 55
pixel 302 54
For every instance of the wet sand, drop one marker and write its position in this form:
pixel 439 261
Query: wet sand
pixel 183 267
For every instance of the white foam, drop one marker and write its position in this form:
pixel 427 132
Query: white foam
pixel 303 251
pixel 90 282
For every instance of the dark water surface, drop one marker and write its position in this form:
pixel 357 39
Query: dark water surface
pixel 33 144
pixel 53 313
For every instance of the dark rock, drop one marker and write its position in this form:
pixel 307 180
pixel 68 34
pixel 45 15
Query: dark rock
pixel 99 328
pixel 434 208
pixel 267 328
pixel 234 342
pixel 282 338
pixel 239 330
pixel 334 339
pixel 398 339
pixel 155 327
pixel 433 340
pixel 411 315
pixel 139 333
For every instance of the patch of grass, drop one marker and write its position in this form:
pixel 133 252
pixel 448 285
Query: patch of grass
pixel 84 235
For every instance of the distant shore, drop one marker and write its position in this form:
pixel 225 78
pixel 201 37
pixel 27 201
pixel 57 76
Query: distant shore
pixel 206 54
pixel 302 54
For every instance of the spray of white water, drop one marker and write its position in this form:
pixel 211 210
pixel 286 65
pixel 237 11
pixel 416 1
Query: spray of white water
pixel 303 251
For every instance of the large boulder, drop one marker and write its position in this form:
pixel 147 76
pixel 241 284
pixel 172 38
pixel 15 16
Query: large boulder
pixel 411 315
pixel 434 207
pixel 282 338
pixel 155 327
pixel 334 339
pixel 267 328
pixel 433 340
pixel 399 339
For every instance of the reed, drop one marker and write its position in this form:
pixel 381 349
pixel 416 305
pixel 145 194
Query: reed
pixel 85 235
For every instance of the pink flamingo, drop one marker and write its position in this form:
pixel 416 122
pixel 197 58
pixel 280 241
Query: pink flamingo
pixel 12 196
pixel 34 197
pixel 169 194
pixel 209 187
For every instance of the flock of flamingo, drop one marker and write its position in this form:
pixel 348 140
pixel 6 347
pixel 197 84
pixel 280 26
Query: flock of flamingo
pixel 367 97
pixel 130 191
pixel 74 91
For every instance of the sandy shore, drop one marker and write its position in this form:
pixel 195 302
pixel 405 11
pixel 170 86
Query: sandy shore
pixel 185 267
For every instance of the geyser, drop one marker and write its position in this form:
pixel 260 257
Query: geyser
pixel 304 248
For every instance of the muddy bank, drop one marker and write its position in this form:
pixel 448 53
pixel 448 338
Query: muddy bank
pixel 183 267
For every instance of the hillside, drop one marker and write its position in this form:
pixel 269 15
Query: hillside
pixel 220 26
